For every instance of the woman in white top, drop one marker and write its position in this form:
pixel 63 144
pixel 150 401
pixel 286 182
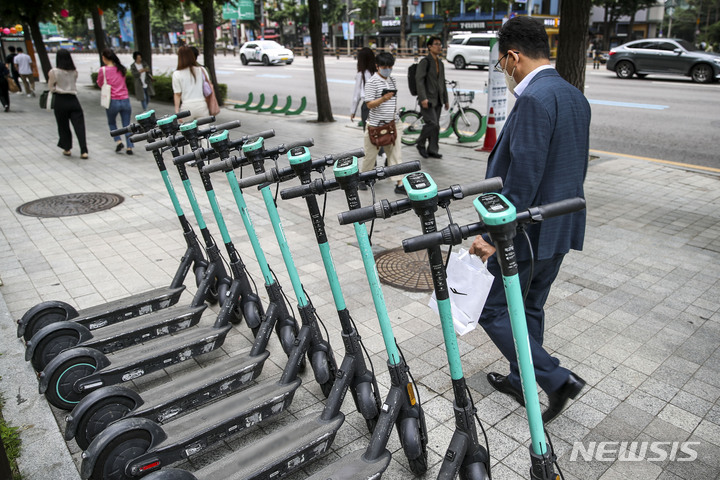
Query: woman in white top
pixel 62 82
pixel 365 69
pixel 187 82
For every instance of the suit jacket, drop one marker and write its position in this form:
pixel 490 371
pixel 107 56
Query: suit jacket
pixel 542 156
pixel 429 85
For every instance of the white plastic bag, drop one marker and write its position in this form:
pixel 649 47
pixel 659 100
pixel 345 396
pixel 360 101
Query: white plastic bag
pixel 469 283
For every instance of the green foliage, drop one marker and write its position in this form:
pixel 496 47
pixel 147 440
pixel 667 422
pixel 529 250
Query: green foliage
pixel 163 87
pixel 11 440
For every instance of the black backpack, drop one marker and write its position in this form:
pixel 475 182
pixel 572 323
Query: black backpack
pixel 412 69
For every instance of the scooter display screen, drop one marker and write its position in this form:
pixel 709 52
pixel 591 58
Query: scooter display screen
pixel 344 162
pixel 418 181
pixel 493 203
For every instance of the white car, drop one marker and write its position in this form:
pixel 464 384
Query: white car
pixel 265 51
pixel 470 49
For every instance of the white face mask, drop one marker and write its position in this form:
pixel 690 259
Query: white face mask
pixel 385 72
pixel 510 80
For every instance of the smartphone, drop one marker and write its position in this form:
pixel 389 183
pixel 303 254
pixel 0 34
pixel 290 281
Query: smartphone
pixel 387 90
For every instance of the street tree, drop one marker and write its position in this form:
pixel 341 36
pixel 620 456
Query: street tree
pixel 321 89
pixel 572 41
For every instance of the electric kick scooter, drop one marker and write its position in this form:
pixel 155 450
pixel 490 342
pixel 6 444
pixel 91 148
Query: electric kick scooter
pixel 465 456
pixel 402 406
pixel 76 372
pixel 48 312
pixel 500 220
pixel 133 447
pixel 52 339
pixel 107 404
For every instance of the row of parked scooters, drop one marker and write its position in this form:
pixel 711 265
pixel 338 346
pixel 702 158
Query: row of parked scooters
pixel 85 357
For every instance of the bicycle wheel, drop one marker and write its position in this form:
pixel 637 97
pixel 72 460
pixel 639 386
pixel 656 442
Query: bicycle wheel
pixel 467 123
pixel 412 124
pixel 445 122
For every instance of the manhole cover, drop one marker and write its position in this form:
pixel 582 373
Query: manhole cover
pixel 408 271
pixel 70 204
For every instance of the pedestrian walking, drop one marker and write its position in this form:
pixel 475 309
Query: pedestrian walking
pixel 23 63
pixel 381 100
pixel 542 157
pixel 10 59
pixel 187 83
pixel 62 82
pixel 143 79
pixel 432 95
pixel 114 72
pixel 4 88
pixel 365 70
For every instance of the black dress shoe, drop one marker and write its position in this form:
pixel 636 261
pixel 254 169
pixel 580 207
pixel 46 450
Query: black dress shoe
pixel 421 150
pixel 503 385
pixel 434 155
pixel 362 186
pixel 558 399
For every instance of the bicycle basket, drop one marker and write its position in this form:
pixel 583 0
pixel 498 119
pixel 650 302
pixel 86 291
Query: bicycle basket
pixel 465 98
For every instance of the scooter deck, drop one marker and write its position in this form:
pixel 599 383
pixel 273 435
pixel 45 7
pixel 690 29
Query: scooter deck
pixel 354 466
pixel 121 309
pixel 278 453
pixel 230 415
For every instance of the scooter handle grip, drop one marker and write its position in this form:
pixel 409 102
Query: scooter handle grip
pixel 483 186
pixel 218 166
pixel 121 131
pixel 401 168
pixel 358 215
pixel 286 147
pixel 139 137
pixel 227 126
pixel 267 176
pixel 422 242
pixel 155 145
pixel 555 209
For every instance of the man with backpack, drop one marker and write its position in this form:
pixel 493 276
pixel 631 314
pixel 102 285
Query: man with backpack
pixel 432 95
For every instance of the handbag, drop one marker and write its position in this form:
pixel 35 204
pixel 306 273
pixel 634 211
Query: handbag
pixel 383 134
pixel 12 86
pixel 47 100
pixel 211 100
pixel 468 282
pixel 207 87
pixel 105 91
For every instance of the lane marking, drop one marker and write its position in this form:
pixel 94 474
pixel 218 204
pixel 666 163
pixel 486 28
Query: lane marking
pixel 627 104
pixel 273 75
pixel 657 160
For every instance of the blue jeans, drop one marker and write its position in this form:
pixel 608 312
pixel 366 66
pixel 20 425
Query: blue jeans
pixel 146 99
pixel 125 110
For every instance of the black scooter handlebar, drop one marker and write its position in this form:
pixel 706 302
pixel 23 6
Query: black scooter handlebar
pixel 391 170
pixel 555 209
pixel 156 132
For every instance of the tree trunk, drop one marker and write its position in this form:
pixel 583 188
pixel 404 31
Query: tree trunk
pixel 40 49
pixel 403 19
pixel 321 89
pixel 140 10
pixel 208 16
pixel 99 33
pixel 572 42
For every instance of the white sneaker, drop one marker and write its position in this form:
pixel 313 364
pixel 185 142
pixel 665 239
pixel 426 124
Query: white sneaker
pixel 29 95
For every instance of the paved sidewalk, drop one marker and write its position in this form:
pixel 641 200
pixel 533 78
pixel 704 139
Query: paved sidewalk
pixel 636 314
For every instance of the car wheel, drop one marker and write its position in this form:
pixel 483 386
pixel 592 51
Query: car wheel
pixel 624 69
pixel 701 73
pixel 243 59
pixel 265 60
pixel 459 62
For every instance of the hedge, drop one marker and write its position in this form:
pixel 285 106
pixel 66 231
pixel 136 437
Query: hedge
pixel 163 87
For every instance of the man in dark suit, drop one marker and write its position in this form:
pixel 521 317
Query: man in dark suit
pixel 432 95
pixel 542 156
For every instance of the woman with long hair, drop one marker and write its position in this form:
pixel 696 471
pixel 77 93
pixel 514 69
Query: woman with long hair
pixel 187 83
pixel 142 76
pixel 62 83
pixel 114 72
pixel 365 69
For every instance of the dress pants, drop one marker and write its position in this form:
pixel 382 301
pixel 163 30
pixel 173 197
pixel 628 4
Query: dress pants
pixel 68 110
pixel 431 127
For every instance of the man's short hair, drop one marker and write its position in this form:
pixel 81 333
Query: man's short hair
pixel 432 40
pixel 526 34
pixel 11 48
pixel 384 59
pixel 19 49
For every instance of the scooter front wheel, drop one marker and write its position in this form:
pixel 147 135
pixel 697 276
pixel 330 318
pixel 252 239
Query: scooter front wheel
pixel 321 369
pixel 415 448
pixel 474 471
pixel 61 392
pixel 111 461
pixel 50 346
pixel 99 416
pixel 367 404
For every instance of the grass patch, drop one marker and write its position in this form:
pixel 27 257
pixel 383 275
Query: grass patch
pixel 12 443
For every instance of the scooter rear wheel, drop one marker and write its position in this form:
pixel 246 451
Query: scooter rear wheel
pixel 111 462
pixel 50 346
pixel 411 439
pixel 60 392
pixel 474 471
pixel 43 319
pixel 99 416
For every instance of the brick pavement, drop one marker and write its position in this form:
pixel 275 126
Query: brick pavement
pixel 636 313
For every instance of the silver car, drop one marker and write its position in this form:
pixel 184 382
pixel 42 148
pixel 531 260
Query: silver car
pixel 664 56
pixel 265 51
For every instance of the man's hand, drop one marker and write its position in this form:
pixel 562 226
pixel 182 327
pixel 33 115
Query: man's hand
pixel 425 103
pixel 447 106
pixel 481 248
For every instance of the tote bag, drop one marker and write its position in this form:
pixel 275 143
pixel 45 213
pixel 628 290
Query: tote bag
pixel 105 91
pixel 212 103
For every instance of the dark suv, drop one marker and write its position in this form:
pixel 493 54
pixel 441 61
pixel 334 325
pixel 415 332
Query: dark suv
pixel 665 56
